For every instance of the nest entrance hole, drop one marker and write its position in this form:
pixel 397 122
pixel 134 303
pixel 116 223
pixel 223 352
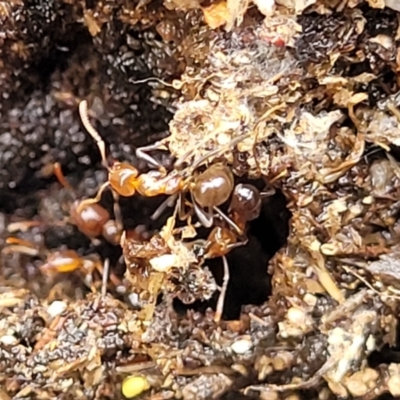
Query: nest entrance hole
pixel 249 281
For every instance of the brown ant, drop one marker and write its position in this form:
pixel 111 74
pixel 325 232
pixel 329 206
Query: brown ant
pixel 208 189
pixel 92 220
pixel 66 261
pixel 62 261
pixel 245 206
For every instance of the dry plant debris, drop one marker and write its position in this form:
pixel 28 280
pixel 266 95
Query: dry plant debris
pixel 281 283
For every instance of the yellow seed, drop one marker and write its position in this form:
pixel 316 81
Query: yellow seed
pixel 132 386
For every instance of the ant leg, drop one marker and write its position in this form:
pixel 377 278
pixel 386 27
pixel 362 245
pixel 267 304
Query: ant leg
pixel 141 152
pixel 267 192
pixel 181 160
pixel 96 199
pixel 221 299
pixel 181 208
pixel 117 213
pixel 197 163
pixel 60 176
pixel 205 218
pixel 228 220
pixel 57 171
pixel 182 213
pixel 233 246
pixel 169 202
pixel 83 112
pixel 86 271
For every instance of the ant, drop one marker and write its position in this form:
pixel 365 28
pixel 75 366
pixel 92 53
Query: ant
pixel 65 261
pixel 92 220
pixel 208 190
pixel 245 206
pixel 62 261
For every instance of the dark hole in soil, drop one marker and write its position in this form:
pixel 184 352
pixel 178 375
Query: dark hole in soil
pixel 249 281
pixel 387 354
pixel 55 58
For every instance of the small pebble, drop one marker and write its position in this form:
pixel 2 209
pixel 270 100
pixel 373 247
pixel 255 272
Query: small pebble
pixel 163 263
pixel 9 340
pixel 56 308
pixel 242 346
pixel 133 386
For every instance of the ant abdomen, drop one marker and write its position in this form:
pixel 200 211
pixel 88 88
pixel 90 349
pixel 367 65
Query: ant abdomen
pixel 62 261
pixel 90 218
pixel 246 201
pixel 214 186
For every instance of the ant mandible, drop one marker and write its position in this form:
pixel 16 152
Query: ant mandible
pixel 208 189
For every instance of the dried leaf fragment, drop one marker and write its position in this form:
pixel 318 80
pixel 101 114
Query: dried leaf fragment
pixel 297 5
pixel 266 7
pixel 91 23
pixel 216 15
pixel 237 9
pixel 226 13
pixel 393 4
pixel 329 175
pixel 376 3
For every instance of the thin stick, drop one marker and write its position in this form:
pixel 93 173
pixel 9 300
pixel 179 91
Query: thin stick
pixel 83 112
pixel 368 285
pixel 151 78
pixel 106 271
pixel 257 319
pixel 221 299
pixel 391 107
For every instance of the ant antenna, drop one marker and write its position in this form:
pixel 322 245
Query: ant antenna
pixel 57 170
pixel 83 113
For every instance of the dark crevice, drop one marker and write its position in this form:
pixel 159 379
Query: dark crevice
pixel 58 57
pixel 249 281
pixel 387 354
